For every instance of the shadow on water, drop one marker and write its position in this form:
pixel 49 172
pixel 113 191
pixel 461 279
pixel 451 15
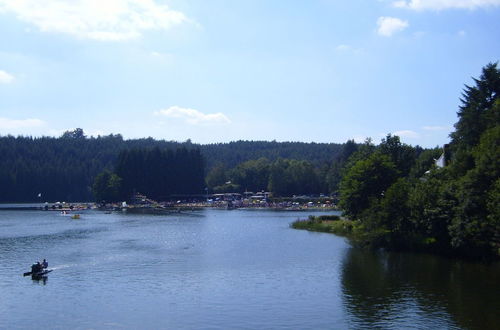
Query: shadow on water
pixel 40 279
pixel 383 287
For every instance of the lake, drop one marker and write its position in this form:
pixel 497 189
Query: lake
pixel 218 269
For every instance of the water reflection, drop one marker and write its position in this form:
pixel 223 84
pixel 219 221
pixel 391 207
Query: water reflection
pixel 40 279
pixel 382 289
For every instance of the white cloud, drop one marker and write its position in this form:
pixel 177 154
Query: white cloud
pixel 407 134
pixel 163 57
pixel 436 128
pixel 110 20
pixel 14 124
pixel 348 49
pixel 343 48
pixel 193 117
pixel 5 78
pixel 445 4
pixel 387 26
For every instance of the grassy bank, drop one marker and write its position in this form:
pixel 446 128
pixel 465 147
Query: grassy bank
pixel 359 235
pixel 326 224
pixel 334 224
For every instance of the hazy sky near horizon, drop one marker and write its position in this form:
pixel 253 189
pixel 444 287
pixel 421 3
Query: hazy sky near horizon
pixel 221 70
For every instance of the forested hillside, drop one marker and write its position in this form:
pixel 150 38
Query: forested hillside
pixel 234 153
pixel 64 168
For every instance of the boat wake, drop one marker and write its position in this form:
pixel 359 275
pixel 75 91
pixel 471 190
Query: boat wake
pixel 63 266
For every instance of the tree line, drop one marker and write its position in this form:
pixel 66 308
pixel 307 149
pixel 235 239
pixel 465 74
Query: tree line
pixel 38 169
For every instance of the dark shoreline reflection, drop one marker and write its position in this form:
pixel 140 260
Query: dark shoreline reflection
pixel 381 289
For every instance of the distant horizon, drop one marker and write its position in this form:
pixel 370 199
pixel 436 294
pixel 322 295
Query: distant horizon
pixel 375 142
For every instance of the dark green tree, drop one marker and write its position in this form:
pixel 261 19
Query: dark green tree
pixel 252 175
pixel 425 162
pixel 474 229
pixel 396 211
pixel 216 176
pixel 365 184
pixel 402 155
pixel 477 112
pixel 107 187
pixel 279 181
pixel 77 133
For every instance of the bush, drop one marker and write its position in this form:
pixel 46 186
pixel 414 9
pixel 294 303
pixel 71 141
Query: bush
pixel 331 217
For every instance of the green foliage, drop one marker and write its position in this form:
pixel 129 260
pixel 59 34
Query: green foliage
pixel 493 207
pixel 252 175
pixel 278 181
pixel 293 177
pixel 453 209
pixel 425 161
pixel 227 188
pixel 331 217
pixel 402 155
pixel 474 228
pixel 478 111
pixel 331 175
pixel 107 187
pixel 432 202
pixel 336 226
pixel 216 176
pixel 365 184
pixel 283 177
pixel 395 209
pixel 363 152
pixel 161 173
pixel 348 149
pixel 234 153
pixel 64 168
pixel 77 133
pixel 60 169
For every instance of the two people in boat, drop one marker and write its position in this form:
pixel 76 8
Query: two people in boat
pixel 38 267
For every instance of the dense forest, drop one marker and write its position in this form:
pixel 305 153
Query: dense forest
pixel 283 176
pixel 64 168
pixel 397 202
pixel 157 173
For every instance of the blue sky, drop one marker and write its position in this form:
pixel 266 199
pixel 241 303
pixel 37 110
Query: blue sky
pixel 219 71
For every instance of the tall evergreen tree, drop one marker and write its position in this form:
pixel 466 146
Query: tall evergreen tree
pixel 477 112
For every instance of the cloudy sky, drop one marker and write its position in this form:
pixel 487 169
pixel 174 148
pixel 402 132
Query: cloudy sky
pixel 224 70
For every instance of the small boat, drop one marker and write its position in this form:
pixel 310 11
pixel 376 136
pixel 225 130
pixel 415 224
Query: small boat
pixel 38 274
pixel 75 216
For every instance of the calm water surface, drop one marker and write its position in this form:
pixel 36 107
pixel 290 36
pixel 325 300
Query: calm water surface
pixel 216 269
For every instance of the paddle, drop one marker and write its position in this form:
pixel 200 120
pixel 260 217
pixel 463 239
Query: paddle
pixel 27 273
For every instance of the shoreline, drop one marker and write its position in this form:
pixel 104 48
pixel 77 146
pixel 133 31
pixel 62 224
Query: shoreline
pixel 167 207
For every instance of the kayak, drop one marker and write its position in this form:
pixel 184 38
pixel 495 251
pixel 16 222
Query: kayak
pixel 40 273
